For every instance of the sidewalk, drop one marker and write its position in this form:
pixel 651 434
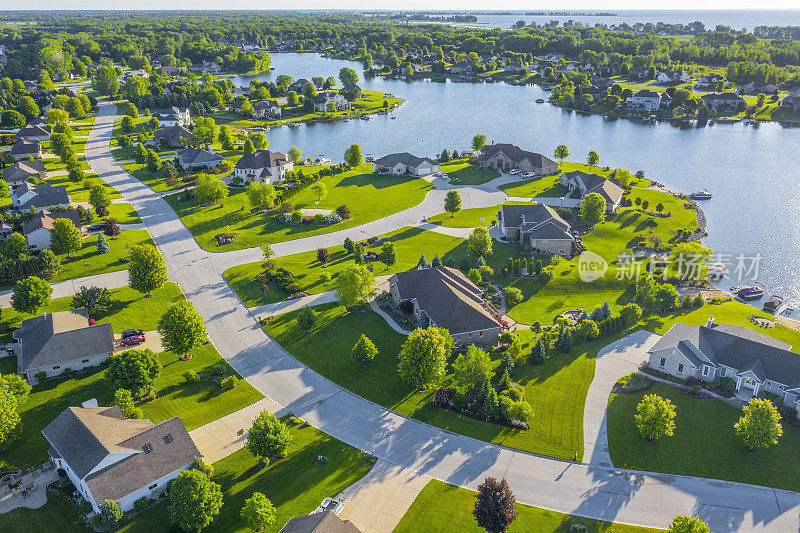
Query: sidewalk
pixel 68 287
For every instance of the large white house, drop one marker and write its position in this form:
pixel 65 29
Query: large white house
pixel 37 229
pixel 109 457
pixel 173 116
pixel 322 99
pixel 757 363
pixel 263 166
pixel 584 183
pixel 405 163
pixel 647 99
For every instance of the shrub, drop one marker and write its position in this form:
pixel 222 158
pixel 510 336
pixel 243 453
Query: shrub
pixel 319 219
pixel 40 375
pixel 286 218
pixel 343 211
pixel 190 376
pixel 513 296
pixel 286 208
pixel 333 218
pixel 85 507
pixel 297 218
pixel 141 504
pixel 229 383
pixel 443 397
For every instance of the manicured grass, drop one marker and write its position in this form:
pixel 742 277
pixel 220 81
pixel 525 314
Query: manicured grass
pixel 88 262
pixel 467 174
pixel 409 242
pixel 77 192
pixel 704 443
pixel 154 180
pixel 556 390
pixel 441 507
pixel 547 186
pixel 295 485
pixel 124 213
pixel 370 197
pixel 470 218
pixel 58 510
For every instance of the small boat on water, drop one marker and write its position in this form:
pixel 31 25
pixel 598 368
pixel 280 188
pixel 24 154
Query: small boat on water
pixel 294 124
pixel 364 117
pixel 393 118
pixel 773 304
pixel 540 100
pixel 750 293
pixel 701 195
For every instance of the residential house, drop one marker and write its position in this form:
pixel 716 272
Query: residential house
pixel 263 166
pixel 109 457
pixel 552 57
pixel 209 67
pixel 674 76
pixel 297 85
pixel 791 102
pixel 22 171
pixel 324 522
pixel 24 149
pixel 37 229
pixel 462 68
pixel 267 109
pixel 710 81
pixel 323 98
pixel 647 99
pixel 173 136
pixel 169 70
pixel 582 183
pixel 757 87
pixel 190 159
pixel 507 156
pixel 445 297
pixel 724 102
pixel 756 362
pixel 403 163
pixel 639 73
pixel 536 227
pixel 173 116
pixel 601 82
pixel 35 132
pixel 52 342
pixel 138 73
pixel 43 196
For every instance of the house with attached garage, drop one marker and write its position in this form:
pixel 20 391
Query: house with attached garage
pixel 173 116
pixel 109 457
pixel 53 342
pixel 323 98
pixel 445 297
pixel 35 132
pixel 403 163
pixel 647 99
pixel 674 76
pixel 582 183
pixel 267 109
pixel 43 196
pixel 297 85
pixel 536 227
pixel 262 166
pixel 756 363
pixel 190 159
pixel 37 229
pixel 22 171
pixel 724 102
pixel 173 136
pixel 23 149
pixel 504 156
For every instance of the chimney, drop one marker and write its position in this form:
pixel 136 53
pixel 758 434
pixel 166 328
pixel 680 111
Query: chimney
pixel 710 323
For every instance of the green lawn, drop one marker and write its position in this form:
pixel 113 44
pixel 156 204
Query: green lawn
pixel 556 390
pixel 467 174
pixel 548 187
pixel 441 507
pixel 704 443
pixel 124 213
pixel 370 197
pixel 295 485
pixel 470 218
pixel 88 262
pixel 77 192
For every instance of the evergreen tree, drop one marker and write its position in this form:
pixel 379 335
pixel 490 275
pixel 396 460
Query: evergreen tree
pixel 565 341
pixel 491 406
pixel 422 263
pixel 537 356
pixel 450 261
pixel 102 244
pixel 507 364
pixel 435 262
pixel 505 382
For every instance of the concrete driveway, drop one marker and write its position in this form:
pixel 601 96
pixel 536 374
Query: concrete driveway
pixel 152 342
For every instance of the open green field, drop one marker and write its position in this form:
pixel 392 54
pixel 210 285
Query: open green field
pixel 704 443
pixel 463 173
pixel 556 390
pixel 295 485
pixel 441 507
pixel 77 192
pixel 370 197
pixel 470 218
pixel 88 262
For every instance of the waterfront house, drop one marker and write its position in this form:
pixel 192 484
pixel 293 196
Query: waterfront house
pixel 756 362
pixel 724 102
pixel 323 98
pixel 24 149
pixel 505 156
pixel 37 229
pixel 173 116
pixel 209 67
pixel 462 68
pixel 536 227
pixel 22 171
pixel 263 166
pixel 267 109
pixel 791 102
pixel 191 159
pixel 35 132
pixel 601 82
pixel 403 163
pixel 584 183
pixel 173 136
pixel 647 99
pixel 297 86
pixel 109 457
pixel 43 196
pixel 52 342
pixel 445 297
pixel 674 76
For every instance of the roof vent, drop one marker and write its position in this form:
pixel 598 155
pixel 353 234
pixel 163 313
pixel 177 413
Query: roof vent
pixel 147 448
pixel 710 323
pixel 168 438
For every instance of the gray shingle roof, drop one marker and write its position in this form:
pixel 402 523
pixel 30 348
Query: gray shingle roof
pixel 84 437
pixel 24 147
pixel 735 347
pixel 34 130
pixel 325 522
pixel 404 158
pixel 516 154
pixel 173 134
pixel 193 156
pixel 449 298
pixel 45 195
pixel 606 188
pixel 23 170
pixel 60 338
pixel 261 159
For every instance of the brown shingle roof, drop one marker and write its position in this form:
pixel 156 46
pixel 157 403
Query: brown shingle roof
pixel 325 522
pixel 516 154
pixel 45 219
pixel 262 159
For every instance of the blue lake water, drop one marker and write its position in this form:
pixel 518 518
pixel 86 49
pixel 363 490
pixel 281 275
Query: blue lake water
pixel 752 171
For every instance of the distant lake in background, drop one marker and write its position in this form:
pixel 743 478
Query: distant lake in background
pixel 736 19
pixel 752 171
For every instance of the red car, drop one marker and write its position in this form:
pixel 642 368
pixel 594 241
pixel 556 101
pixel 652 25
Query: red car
pixel 132 341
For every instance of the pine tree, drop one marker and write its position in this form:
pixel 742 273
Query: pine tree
pixel 422 263
pixel 465 266
pixel 491 407
pixel 435 262
pixel 606 310
pixel 450 261
pixel 487 385
pixel 505 382
pixel 102 244
pixel 565 341
pixel 537 354
pixel 507 364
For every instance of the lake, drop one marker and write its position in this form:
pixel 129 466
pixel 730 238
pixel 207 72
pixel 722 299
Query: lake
pixel 752 171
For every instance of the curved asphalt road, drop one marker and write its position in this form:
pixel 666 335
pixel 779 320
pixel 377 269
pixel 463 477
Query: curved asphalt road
pixel 593 491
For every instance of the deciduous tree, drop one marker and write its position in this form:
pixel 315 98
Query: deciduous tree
pixel 593 209
pixel 364 351
pixel 478 142
pixel 134 370
pixel 655 417
pixel 452 202
pixel 687 524
pixel 268 437
pixel 65 238
pixel 496 507
pixel 182 328
pixel 353 284
pixel 194 500
pixel 96 300
pixel 479 242
pixel 561 152
pixel 423 357
pixel 30 295
pixel 472 368
pixel 760 424
pixel 258 512
pixel 147 270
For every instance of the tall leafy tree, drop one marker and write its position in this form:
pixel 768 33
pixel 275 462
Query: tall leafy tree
pixel 96 300
pixel 210 189
pixel 348 76
pixel 687 524
pixel 592 159
pixel 655 417
pixel 423 357
pixel 268 437
pixel 364 351
pixel 65 238
pixel 182 328
pixel 479 242
pixel 261 195
pixel 353 284
pixel 133 370
pixel 258 512
pixel 478 142
pixel 388 254
pixel 472 368
pixel 561 152
pixel 760 424
pixel 30 295
pixel 147 270
pixel 99 195
pixel 194 500
pixel 496 507
pixel 593 209
pixel 452 202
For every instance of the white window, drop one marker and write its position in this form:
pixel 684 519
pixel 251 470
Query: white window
pixel 151 487
pixel 705 370
pixel 680 369
pixel 662 362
